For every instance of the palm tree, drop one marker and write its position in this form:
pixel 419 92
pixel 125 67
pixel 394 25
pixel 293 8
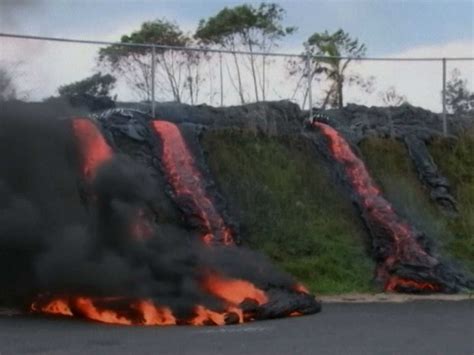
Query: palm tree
pixel 334 46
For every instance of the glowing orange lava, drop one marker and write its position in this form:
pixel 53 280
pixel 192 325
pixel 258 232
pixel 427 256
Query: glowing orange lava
pixel 379 210
pixel 233 291
pixel 142 312
pixel 56 306
pixel 396 283
pixel 188 183
pixel 133 312
pixel 93 147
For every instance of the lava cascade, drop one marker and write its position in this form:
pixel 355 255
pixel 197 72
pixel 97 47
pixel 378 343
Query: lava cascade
pixel 188 183
pixel 94 150
pixel 404 247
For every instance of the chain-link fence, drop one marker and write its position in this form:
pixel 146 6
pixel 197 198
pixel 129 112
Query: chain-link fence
pixel 38 66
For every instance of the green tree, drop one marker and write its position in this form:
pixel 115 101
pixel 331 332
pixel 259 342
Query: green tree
pixel 334 45
pixel 459 99
pixel 95 85
pixel 176 71
pixel 245 27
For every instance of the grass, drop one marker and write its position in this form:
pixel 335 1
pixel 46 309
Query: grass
pixel 290 209
pixel 390 165
pixel 456 161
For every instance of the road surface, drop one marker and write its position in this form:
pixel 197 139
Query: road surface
pixel 427 327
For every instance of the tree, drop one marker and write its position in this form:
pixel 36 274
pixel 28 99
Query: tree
pixel 337 44
pixel 459 99
pixel 250 28
pixel 95 85
pixel 93 93
pixel 176 71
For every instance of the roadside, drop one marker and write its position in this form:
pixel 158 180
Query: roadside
pixel 392 298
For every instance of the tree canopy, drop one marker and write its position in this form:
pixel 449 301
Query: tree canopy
pixel 250 28
pixel 244 24
pixel 334 45
pixel 176 70
pixel 95 85
pixel 459 99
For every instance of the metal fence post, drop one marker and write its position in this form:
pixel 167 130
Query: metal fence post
pixel 153 55
pixel 221 76
pixel 310 85
pixel 445 123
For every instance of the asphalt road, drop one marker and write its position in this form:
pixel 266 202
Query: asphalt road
pixel 428 327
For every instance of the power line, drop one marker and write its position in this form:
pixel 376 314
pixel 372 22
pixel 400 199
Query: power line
pixel 213 50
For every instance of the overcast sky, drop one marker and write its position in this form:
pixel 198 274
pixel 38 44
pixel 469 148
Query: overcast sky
pixel 389 28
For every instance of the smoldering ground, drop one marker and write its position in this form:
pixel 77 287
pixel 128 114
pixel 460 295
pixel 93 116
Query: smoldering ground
pixel 55 240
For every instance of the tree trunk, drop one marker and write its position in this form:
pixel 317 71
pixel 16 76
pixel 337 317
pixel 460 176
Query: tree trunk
pixel 340 101
pixel 239 79
pixel 263 78
pixel 254 74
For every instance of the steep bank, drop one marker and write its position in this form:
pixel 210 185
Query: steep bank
pixel 290 208
pixel 390 164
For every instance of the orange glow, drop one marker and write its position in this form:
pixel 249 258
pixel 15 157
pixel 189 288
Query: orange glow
pixel 234 291
pixel 135 312
pixel 153 315
pixel 144 311
pixel 301 288
pixel 396 283
pixel 205 316
pixel 295 314
pixel 56 306
pixel 380 211
pixel 92 145
pixel 89 310
pixel 188 183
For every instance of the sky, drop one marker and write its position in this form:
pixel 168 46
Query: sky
pixel 440 28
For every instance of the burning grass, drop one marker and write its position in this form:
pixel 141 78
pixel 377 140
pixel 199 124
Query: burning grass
pixel 390 165
pixel 290 209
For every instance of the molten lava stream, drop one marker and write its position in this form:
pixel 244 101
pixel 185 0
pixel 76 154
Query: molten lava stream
pixel 188 183
pixel 379 211
pixel 94 152
pixel 93 148
pixel 117 310
pixel 136 312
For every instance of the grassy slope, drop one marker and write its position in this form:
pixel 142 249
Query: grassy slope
pixel 456 161
pixel 289 209
pixel 390 165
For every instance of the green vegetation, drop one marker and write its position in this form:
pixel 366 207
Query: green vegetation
pixel 456 161
pixel 290 209
pixel 390 165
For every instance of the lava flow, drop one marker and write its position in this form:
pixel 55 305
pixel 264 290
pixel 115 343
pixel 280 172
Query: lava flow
pixel 120 310
pixel 95 151
pixel 188 184
pixel 403 251
pixel 93 148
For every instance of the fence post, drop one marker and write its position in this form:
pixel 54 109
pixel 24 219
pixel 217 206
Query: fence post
pixel 221 78
pixel 153 54
pixel 445 123
pixel 310 82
